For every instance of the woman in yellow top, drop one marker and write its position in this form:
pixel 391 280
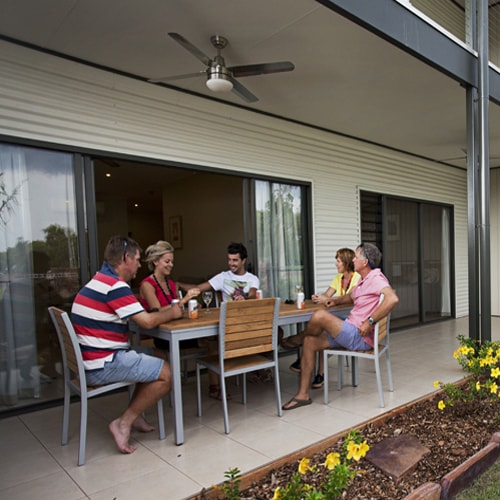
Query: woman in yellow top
pixel 342 283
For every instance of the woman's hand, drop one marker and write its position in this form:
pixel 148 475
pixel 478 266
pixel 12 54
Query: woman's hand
pixel 191 294
pixel 319 298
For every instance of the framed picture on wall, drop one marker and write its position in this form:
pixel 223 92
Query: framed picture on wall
pixel 175 225
pixel 393 227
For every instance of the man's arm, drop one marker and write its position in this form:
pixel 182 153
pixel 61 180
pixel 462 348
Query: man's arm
pixel 204 287
pixel 384 308
pixel 339 300
pixel 153 319
pixel 387 305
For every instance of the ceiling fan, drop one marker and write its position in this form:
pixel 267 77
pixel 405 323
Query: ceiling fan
pixel 221 78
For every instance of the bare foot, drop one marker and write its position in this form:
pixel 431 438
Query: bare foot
pixel 141 425
pixel 121 435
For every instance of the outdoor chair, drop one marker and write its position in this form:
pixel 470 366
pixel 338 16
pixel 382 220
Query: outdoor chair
pixel 74 373
pixel 248 341
pixel 381 346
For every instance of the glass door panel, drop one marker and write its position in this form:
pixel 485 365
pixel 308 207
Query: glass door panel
pixel 279 238
pixel 436 262
pixel 401 258
pixel 39 266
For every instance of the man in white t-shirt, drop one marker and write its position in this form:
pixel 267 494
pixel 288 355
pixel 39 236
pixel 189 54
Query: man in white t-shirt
pixel 236 283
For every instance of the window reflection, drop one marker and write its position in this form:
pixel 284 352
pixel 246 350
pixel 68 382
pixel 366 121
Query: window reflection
pixel 38 267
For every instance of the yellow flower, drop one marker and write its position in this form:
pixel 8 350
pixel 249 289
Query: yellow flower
pixel 332 460
pixel 456 354
pixel 495 372
pixel 277 493
pixel 441 405
pixel 436 384
pixel 356 451
pixel 478 386
pixel 494 388
pixel 363 448
pixel 304 465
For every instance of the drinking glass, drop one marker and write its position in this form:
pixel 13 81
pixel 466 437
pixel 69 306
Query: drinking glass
pixel 207 298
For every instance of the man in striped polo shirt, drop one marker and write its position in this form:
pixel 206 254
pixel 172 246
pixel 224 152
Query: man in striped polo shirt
pixel 100 315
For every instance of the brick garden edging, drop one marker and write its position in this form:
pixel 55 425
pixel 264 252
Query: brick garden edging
pixel 451 484
pixel 462 476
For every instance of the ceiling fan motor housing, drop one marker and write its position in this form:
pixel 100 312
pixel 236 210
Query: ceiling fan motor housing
pixel 219 77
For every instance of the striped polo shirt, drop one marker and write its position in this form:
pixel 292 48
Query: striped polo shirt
pixel 99 316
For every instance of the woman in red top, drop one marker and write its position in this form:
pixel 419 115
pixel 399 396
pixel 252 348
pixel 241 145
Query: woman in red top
pixel 157 290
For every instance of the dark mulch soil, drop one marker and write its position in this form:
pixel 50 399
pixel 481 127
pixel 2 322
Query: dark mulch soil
pixel 452 435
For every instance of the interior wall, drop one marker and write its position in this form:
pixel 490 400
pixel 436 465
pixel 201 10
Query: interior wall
pixel 112 219
pixel 211 207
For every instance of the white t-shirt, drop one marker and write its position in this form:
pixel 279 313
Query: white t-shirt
pixel 232 285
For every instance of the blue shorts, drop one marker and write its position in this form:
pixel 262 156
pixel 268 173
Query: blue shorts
pixel 349 338
pixel 134 365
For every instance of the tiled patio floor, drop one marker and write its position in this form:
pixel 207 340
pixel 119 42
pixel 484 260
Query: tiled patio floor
pixel 34 465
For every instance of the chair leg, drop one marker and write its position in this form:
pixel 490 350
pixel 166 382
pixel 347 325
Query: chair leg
pixel 379 382
pixel 198 390
pixel 389 370
pixel 277 388
pixel 244 389
pixel 83 429
pixel 340 381
pixel 325 385
pixel 355 371
pixel 65 427
pixel 224 401
pixel 161 419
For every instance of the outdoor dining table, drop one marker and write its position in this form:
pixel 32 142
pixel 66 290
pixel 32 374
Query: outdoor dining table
pixel 207 325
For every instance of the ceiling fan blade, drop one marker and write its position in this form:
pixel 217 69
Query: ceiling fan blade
pixel 176 77
pixel 191 48
pixel 242 91
pixel 261 69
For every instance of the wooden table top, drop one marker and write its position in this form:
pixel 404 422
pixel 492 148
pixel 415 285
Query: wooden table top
pixel 212 318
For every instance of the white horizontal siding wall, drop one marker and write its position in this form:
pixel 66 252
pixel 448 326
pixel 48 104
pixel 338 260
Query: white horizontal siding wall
pixel 446 13
pixel 48 99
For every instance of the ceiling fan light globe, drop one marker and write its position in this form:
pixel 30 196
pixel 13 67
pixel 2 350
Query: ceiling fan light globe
pixel 217 83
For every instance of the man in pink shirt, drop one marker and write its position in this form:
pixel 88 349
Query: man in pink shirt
pixel 325 330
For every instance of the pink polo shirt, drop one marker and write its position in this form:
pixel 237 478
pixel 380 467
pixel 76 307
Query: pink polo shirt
pixel 366 296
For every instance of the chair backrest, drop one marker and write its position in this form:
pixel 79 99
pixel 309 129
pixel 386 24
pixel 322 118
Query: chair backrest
pixel 248 327
pixel 382 326
pixel 70 348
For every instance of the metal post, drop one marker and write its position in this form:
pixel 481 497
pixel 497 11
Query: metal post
pixel 472 182
pixel 484 173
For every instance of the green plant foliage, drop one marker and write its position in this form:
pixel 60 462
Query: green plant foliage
pixel 482 362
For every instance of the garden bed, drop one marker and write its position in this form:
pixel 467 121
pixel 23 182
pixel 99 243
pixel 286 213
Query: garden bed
pixel 453 436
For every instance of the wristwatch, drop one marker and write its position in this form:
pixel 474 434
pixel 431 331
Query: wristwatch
pixel 371 320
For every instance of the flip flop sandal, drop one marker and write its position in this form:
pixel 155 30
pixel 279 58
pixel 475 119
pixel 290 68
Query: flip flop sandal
pixel 298 403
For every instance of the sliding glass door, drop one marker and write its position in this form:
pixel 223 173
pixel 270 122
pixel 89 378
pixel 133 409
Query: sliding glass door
pixel 416 240
pixel 39 266
pixel 281 234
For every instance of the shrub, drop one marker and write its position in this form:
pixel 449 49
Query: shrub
pixel 482 362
